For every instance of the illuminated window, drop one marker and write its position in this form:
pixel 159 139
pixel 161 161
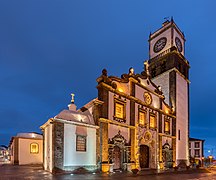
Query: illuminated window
pixel 119 110
pixel 119 113
pixel 34 148
pixel 152 121
pixel 142 117
pixel 80 143
pixel 167 126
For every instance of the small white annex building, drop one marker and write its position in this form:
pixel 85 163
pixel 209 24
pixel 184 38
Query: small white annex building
pixel 26 148
pixel 70 141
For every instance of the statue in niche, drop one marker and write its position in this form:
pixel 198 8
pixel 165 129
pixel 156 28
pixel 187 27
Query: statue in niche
pixel 167 154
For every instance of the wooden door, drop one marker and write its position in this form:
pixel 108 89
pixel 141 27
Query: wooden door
pixel 117 158
pixel 144 156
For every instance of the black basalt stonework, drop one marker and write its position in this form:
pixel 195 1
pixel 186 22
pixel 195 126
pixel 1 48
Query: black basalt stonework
pixel 103 95
pixel 58 140
pixel 167 62
pixel 132 105
pixel 172 88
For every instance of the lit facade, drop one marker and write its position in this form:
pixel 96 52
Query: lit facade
pixel 26 148
pixel 170 69
pixel 70 140
pixel 137 121
pixel 138 129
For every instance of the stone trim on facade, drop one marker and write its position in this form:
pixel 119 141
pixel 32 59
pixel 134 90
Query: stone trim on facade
pixel 58 147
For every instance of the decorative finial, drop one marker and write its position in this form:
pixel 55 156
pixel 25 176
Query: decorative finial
pixel 72 98
pixel 146 64
pixel 131 71
pixel 104 72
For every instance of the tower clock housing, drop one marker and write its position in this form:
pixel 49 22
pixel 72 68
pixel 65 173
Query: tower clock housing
pixel 169 69
pixel 166 37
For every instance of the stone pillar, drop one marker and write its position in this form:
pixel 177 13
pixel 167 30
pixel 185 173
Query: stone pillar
pixel 16 151
pixel 104 146
pixel 58 146
pixel 133 148
pixel 174 151
pixel 160 152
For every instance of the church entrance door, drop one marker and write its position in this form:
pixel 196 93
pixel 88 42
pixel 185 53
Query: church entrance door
pixel 144 156
pixel 117 158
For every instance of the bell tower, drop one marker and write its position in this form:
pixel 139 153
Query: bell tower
pixel 169 69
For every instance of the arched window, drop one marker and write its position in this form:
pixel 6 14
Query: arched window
pixel 34 148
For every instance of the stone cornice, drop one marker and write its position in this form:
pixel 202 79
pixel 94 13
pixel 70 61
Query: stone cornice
pixel 51 120
pixel 132 98
pixel 75 123
pixel 116 123
pixel 177 71
pixel 42 127
pixel 162 134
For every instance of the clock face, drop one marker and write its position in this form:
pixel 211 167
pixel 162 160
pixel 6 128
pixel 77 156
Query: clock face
pixel 147 98
pixel 160 44
pixel 178 44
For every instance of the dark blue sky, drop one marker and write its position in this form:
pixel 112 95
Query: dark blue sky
pixel 49 49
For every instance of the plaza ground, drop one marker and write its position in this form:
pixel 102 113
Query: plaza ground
pixel 36 172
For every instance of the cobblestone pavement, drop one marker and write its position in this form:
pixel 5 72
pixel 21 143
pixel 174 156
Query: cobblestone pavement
pixel 10 172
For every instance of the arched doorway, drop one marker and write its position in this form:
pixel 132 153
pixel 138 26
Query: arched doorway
pixel 144 156
pixel 117 158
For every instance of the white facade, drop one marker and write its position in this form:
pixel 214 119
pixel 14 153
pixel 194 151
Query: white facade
pixel 48 152
pixel 72 157
pixel 61 152
pixel 172 78
pixel 182 118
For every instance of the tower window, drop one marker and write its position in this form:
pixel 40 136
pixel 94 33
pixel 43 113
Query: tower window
pixel 179 134
pixel 163 66
pixel 179 66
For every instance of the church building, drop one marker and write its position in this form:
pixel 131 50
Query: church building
pixel 137 120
